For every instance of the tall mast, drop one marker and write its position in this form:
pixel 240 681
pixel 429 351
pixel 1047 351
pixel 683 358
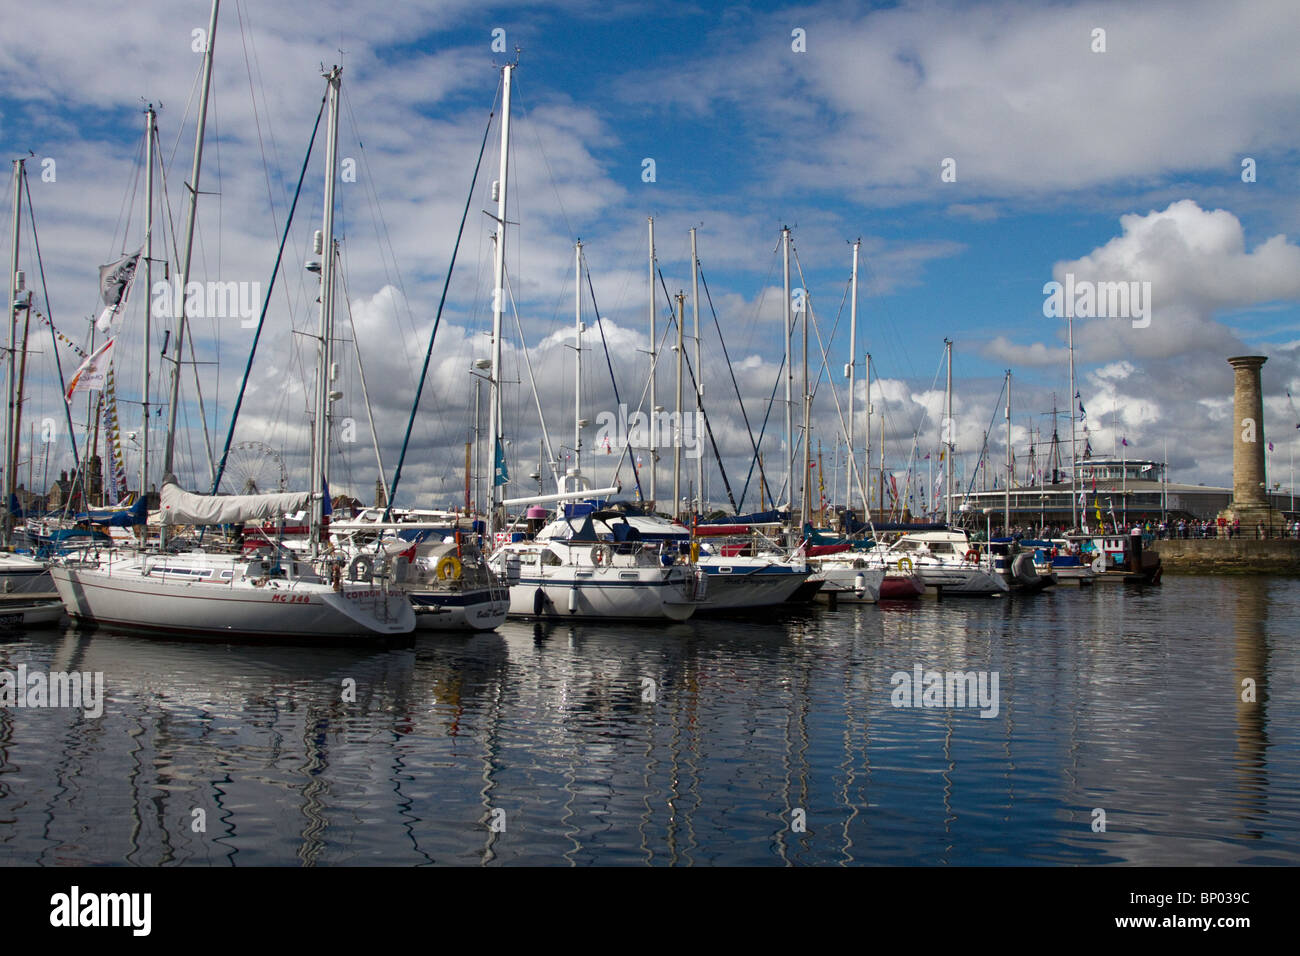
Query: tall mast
pixel 677 438
pixel 169 447
pixel 699 377
pixel 1006 508
pixel 882 459
pixel 853 365
pixel 947 439
pixel 866 458
pixel 150 144
pixel 324 349
pixel 498 298
pixel 654 369
pixel 11 464
pixel 806 510
pixel 789 374
pixel 1074 454
pixel 577 363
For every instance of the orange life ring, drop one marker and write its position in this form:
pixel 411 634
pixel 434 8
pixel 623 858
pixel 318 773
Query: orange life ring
pixel 973 556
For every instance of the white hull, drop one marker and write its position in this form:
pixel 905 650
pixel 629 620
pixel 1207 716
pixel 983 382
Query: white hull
pixel 20 574
pixel 567 579
pixel 850 585
pixel 573 593
pixel 125 593
pixel 31 614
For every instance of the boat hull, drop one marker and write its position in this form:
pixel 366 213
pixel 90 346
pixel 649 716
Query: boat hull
pixel 216 611
pixel 851 585
pixel 478 610
pixel 20 574
pixel 30 614
pixel 591 596
pixel 734 587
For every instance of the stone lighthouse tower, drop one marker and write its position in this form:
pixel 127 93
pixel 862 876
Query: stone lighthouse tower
pixel 1249 494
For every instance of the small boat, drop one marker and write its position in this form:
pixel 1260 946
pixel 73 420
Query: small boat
pixel 1119 557
pixel 945 560
pixel 439 568
pixel 846 578
pixel 1056 556
pixel 30 611
pixel 585 577
pixel 1017 565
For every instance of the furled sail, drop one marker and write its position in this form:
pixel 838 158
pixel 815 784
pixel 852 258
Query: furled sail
pixel 183 507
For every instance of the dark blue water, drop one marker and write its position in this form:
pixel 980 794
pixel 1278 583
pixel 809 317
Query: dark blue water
pixel 768 740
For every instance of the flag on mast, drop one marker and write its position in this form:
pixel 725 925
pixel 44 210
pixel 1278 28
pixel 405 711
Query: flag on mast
pixel 115 280
pixel 93 372
pixel 501 474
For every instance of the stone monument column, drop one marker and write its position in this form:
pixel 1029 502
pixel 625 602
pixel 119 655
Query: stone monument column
pixel 1248 427
pixel 1249 494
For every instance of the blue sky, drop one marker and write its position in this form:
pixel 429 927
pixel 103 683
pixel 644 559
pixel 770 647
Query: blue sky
pixel 1122 165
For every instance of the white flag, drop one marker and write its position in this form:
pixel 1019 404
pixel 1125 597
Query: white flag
pixel 115 281
pixel 92 372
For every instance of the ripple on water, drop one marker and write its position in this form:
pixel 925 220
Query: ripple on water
pixel 767 740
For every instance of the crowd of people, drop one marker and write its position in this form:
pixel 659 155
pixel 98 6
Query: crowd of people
pixel 1154 529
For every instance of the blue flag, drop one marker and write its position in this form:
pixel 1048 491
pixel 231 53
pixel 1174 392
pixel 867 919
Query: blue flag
pixel 501 474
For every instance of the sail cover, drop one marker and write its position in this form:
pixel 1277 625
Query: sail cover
pixel 183 507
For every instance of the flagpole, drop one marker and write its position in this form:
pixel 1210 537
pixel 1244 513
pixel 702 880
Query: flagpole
pixel 10 433
pixel 1074 450
pixel 150 131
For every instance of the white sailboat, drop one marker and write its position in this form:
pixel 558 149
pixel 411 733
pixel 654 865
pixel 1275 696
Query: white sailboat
pixel 437 564
pixel 270 593
pixel 943 559
pixel 733 581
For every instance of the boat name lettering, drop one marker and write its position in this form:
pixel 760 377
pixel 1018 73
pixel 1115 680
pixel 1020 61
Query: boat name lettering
pixel 290 598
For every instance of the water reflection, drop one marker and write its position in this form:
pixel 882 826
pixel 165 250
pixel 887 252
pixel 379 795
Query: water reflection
pixel 769 740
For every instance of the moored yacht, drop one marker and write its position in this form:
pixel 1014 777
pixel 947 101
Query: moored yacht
pixel 945 560
pixel 267 593
pixel 440 569
pixel 584 577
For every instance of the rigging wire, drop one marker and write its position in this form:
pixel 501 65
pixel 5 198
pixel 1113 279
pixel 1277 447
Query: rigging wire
pixel 266 302
pixel 433 334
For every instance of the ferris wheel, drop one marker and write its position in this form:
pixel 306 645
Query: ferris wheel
pixel 255 468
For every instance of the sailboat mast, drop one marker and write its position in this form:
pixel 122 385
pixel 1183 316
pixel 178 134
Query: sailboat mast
pixel 882 461
pixel 11 431
pixel 677 437
pixel 699 378
pixel 866 458
pixel 654 369
pixel 853 364
pixel 1006 509
pixel 1074 459
pixel 789 373
pixel 150 133
pixel 324 378
pixel 947 439
pixel 806 510
pixel 169 447
pixel 498 300
pixel 577 363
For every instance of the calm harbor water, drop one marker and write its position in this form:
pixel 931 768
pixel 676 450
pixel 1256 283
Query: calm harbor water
pixel 766 740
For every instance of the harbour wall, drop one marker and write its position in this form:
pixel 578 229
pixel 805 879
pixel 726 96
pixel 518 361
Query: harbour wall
pixel 1228 555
